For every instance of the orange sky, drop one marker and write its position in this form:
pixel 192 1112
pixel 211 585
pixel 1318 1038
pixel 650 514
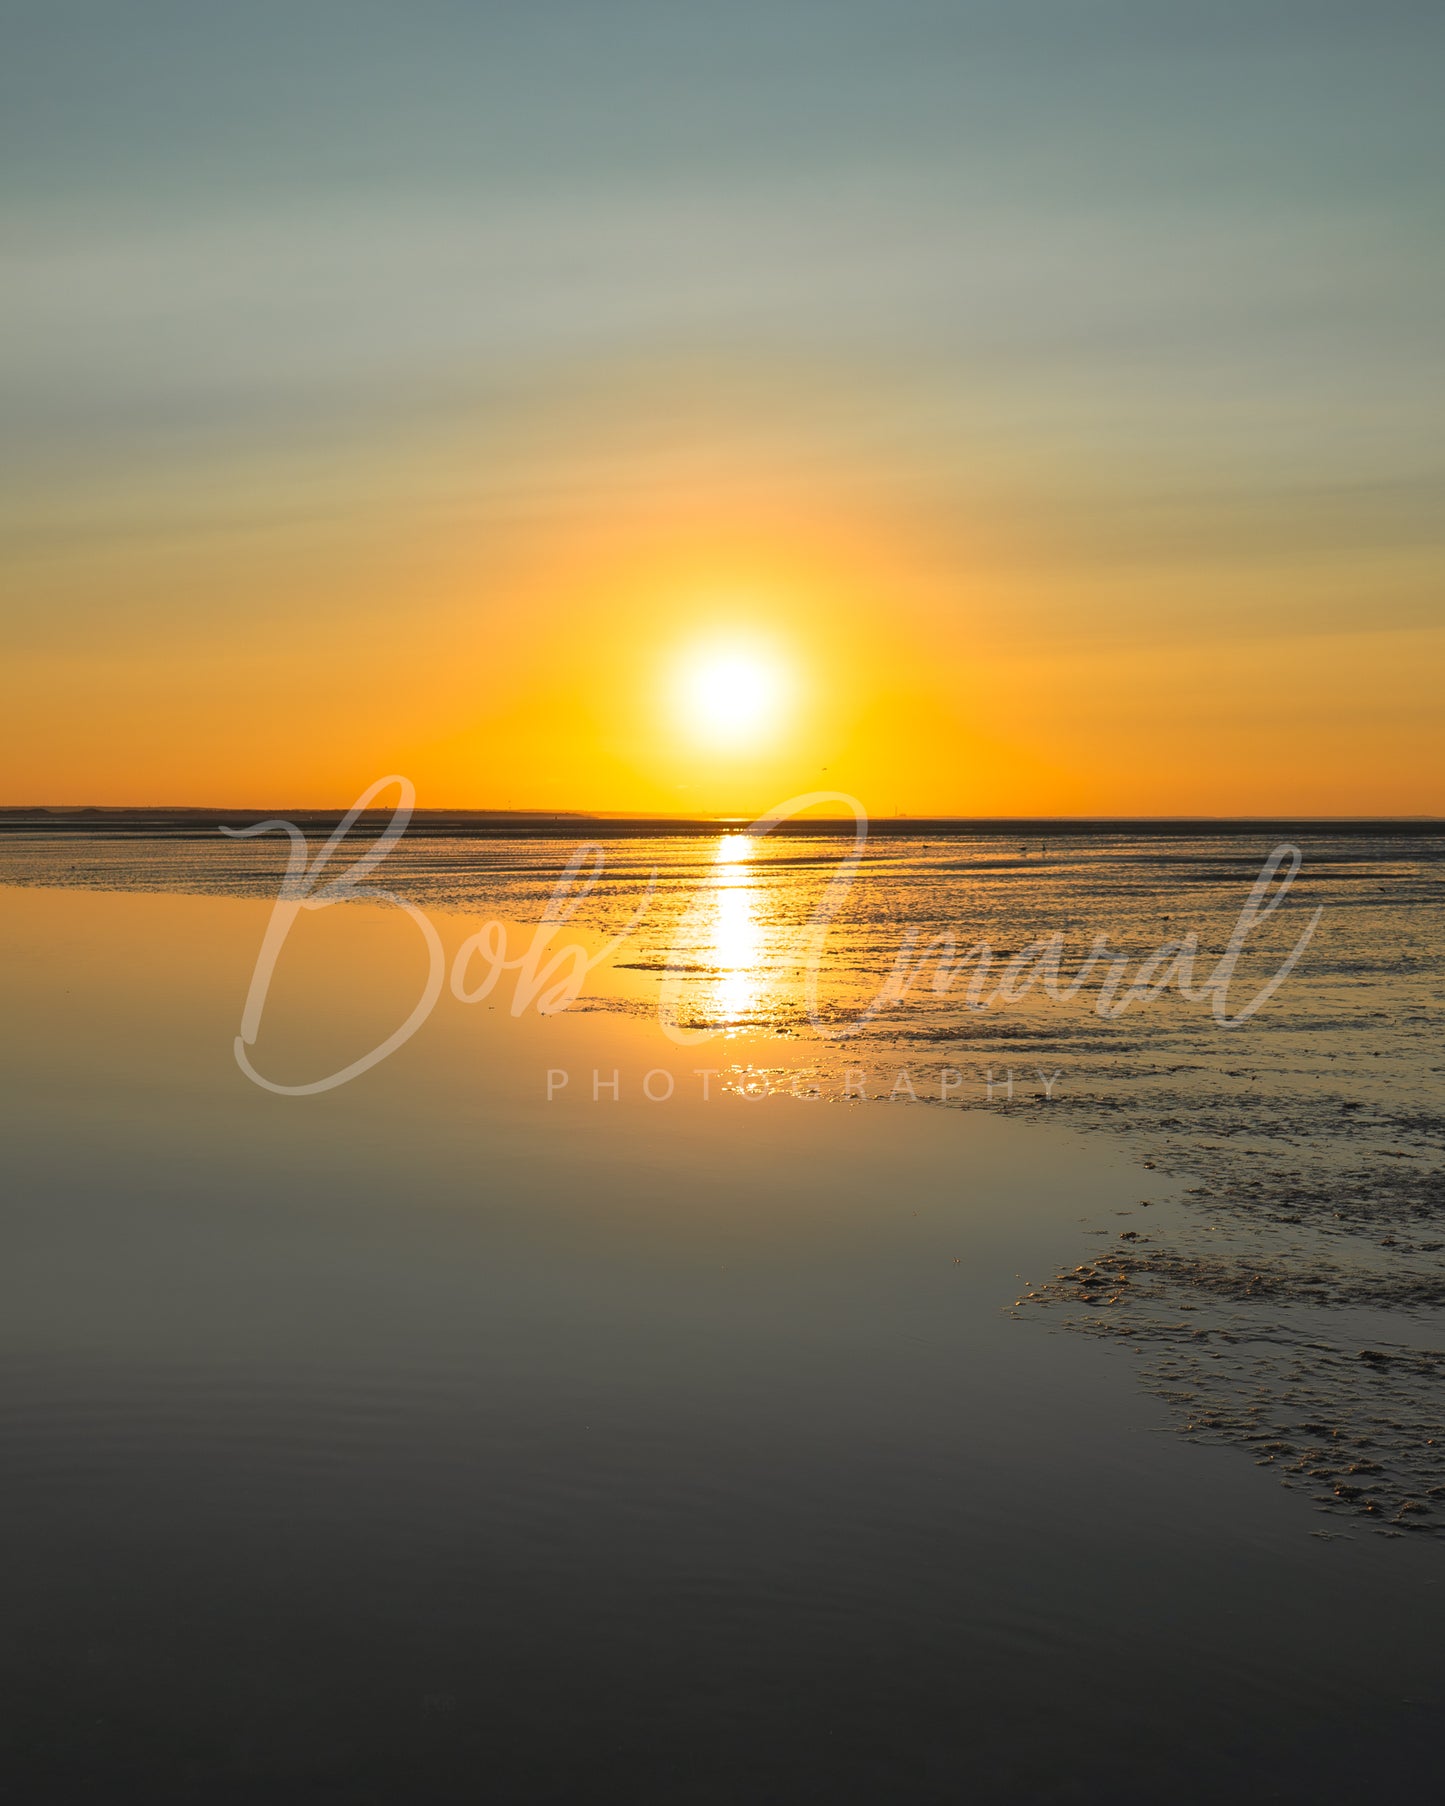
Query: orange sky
pixel 933 657
pixel 1059 450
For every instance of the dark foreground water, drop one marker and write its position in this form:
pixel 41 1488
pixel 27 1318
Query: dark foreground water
pixel 426 1439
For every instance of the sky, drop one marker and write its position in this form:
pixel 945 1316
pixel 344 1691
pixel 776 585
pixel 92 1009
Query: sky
pixel 1042 401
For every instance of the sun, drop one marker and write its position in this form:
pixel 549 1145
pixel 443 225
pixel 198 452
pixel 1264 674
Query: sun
pixel 731 695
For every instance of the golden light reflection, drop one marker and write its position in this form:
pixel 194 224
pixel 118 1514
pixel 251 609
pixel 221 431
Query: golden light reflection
pixel 734 849
pixel 734 947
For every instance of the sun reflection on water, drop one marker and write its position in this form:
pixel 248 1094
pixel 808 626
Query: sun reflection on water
pixel 735 939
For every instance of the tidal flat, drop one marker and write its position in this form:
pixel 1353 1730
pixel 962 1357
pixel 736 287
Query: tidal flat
pixel 433 1432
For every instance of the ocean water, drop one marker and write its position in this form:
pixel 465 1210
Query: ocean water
pixel 783 1438
pixel 1334 1087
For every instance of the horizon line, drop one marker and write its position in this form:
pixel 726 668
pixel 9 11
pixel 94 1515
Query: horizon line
pixel 209 818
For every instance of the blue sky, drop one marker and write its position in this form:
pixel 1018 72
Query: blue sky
pixel 1157 285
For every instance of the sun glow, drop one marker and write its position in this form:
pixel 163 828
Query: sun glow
pixel 731 696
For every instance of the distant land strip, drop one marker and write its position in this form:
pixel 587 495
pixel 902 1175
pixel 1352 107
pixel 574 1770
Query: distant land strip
pixel 164 823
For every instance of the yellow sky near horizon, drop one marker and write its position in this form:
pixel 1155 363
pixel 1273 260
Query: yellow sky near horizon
pixel 1045 400
pixel 542 661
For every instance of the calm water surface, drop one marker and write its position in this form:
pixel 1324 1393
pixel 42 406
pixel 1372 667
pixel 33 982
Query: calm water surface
pixel 425 1439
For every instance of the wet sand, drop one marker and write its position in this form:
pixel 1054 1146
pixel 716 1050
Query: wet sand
pixel 425 1435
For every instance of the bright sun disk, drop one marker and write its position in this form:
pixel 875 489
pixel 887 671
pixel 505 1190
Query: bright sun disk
pixel 731 696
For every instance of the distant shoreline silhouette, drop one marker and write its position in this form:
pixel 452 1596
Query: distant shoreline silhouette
pixel 196 822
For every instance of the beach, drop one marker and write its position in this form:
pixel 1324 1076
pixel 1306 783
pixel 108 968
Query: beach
pixel 722 905
pixel 433 1433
